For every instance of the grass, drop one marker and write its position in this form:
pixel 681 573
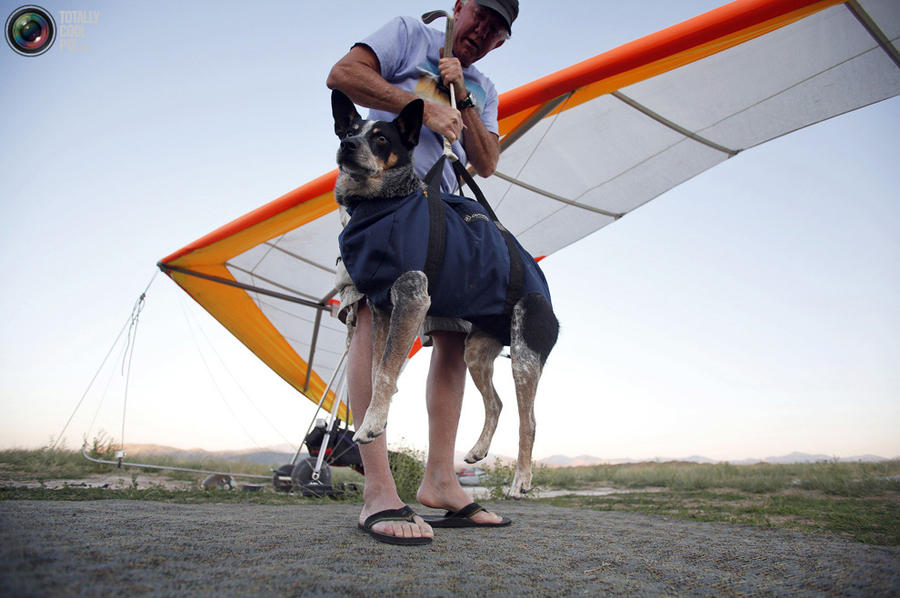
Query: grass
pixel 408 468
pixel 872 520
pixel 834 478
pixel 859 501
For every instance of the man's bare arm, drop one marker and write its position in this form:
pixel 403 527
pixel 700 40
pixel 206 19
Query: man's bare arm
pixel 482 146
pixel 358 74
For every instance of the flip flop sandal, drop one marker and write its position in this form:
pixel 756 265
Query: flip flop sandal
pixel 404 514
pixel 462 518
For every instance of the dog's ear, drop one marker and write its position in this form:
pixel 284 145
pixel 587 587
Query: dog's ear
pixel 409 122
pixel 344 113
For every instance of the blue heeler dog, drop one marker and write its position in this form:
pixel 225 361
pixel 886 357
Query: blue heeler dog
pixel 376 182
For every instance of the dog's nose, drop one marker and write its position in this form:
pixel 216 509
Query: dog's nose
pixel 349 144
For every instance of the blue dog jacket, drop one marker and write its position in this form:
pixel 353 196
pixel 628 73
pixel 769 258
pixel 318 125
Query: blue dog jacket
pixel 480 271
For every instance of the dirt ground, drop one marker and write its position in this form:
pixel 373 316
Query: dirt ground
pixel 119 547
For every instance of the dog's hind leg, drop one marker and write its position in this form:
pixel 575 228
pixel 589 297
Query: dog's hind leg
pixel 409 295
pixel 481 351
pixel 533 333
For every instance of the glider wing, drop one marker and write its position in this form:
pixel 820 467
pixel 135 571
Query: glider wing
pixel 581 148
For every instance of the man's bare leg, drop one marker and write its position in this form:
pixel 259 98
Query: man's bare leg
pixel 443 394
pixel 380 491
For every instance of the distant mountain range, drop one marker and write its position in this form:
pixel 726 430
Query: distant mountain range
pixel 281 454
pixel 564 461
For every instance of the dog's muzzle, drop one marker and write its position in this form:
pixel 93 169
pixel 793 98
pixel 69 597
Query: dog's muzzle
pixel 348 156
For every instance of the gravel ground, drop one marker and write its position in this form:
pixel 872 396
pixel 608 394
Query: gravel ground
pixel 120 547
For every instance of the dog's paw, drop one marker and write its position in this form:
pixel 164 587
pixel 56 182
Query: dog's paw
pixel 518 493
pixel 366 434
pixel 520 486
pixel 474 456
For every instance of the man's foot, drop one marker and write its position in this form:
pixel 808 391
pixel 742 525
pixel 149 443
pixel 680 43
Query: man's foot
pixel 450 496
pixel 393 524
pixel 404 515
pixel 462 518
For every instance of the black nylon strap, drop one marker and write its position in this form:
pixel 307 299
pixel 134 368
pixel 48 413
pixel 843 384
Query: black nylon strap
pixel 463 174
pixel 437 238
pixel 516 267
pixel 437 226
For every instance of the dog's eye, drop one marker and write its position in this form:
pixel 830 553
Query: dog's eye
pixel 381 139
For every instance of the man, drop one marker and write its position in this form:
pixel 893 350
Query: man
pixel 385 72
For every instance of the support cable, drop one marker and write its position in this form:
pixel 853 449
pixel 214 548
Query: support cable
pixel 59 438
pixel 103 396
pixel 216 385
pixel 129 352
pixel 233 378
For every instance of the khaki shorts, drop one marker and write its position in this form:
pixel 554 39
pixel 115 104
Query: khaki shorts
pixel 437 324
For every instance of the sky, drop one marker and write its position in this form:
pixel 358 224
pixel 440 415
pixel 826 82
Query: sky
pixel 752 311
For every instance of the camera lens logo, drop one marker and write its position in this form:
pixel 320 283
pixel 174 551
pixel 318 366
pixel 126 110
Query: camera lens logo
pixel 30 30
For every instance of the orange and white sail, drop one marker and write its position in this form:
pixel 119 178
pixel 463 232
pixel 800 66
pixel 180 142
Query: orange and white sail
pixel 582 147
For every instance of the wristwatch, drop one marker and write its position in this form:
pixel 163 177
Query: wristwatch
pixel 465 103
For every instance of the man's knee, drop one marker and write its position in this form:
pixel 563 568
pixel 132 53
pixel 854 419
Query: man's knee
pixel 449 349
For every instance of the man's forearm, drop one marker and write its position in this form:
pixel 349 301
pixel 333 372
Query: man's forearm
pixel 482 146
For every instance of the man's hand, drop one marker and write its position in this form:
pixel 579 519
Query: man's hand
pixel 444 120
pixel 451 74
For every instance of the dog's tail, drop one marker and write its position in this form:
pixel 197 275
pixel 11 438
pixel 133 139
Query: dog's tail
pixel 540 327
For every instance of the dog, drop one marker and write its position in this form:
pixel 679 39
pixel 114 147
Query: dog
pixel 375 161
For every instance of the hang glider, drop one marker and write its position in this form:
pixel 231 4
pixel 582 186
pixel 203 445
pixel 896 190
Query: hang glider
pixel 582 147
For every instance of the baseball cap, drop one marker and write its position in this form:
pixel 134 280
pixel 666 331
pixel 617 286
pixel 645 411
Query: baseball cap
pixel 508 9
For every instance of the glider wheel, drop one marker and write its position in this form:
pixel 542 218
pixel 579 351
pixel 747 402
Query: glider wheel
pixel 301 477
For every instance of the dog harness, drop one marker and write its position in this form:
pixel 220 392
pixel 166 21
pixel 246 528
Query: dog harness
pixel 476 269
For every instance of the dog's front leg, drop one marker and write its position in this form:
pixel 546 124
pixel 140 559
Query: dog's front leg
pixel 381 324
pixel 481 351
pixel 409 294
